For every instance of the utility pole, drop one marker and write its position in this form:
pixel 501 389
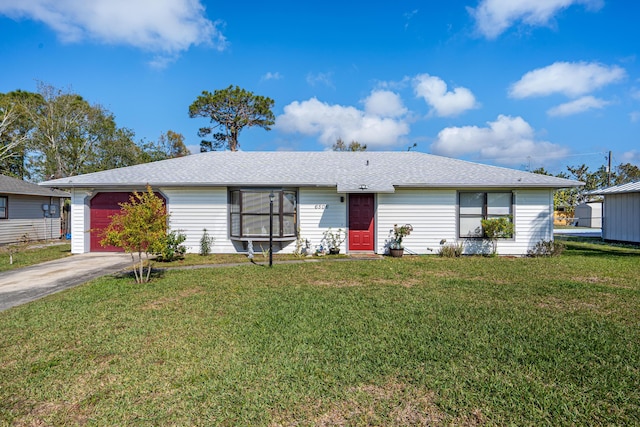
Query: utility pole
pixel 609 171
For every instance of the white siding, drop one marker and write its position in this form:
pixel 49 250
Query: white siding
pixel 533 221
pixel 191 209
pixel 80 238
pixel 622 217
pixel 533 217
pixel 26 217
pixel 318 210
pixel 432 213
pixel 194 209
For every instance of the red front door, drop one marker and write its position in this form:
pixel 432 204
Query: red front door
pixel 361 229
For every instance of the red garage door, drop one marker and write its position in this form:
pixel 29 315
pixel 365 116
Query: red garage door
pixel 102 207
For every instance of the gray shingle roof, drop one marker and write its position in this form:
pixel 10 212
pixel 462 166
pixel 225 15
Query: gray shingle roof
pixel 9 185
pixel 631 187
pixel 348 171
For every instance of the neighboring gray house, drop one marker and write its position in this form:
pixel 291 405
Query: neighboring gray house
pixel 362 193
pixel 28 210
pixel 621 218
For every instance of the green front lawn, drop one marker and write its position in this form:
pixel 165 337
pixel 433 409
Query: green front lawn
pixel 410 341
pixel 31 255
pixel 212 259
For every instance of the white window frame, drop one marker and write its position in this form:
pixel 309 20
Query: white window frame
pixel 4 207
pixel 245 220
pixel 486 211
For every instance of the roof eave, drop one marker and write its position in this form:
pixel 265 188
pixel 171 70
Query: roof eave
pixel 183 184
pixel 487 185
pixel 340 188
pixel 59 193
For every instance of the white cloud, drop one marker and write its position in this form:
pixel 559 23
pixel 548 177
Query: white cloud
pixel 384 103
pixel 569 78
pixel 579 105
pixel 632 156
pixel 634 116
pixel 320 78
pixel 493 17
pixel 375 127
pixel 271 76
pixel 508 140
pixel 395 85
pixel 162 26
pixel 163 61
pixel 443 103
pixel 635 93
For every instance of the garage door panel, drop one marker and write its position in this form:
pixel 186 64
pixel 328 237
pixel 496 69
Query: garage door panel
pixel 102 207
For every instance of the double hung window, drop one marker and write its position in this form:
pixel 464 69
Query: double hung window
pixel 249 213
pixel 476 206
pixel 4 211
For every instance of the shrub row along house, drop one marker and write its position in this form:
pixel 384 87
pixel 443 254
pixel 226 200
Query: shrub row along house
pixel 362 193
pixel 28 211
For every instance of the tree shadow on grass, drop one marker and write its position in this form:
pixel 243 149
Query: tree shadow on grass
pixel 599 249
pixel 156 273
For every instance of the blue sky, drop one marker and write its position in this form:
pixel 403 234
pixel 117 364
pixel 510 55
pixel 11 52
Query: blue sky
pixel 516 83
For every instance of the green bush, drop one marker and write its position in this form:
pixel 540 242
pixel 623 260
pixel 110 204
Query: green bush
pixel 451 250
pixel 546 248
pixel 173 247
pixel 206 243
pixel 497 228
pixel 139 228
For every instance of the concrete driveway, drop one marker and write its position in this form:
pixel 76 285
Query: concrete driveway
pixel 30 283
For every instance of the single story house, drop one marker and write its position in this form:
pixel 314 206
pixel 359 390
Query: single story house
pixel 621 217
pixel 29 211
pixel 362 193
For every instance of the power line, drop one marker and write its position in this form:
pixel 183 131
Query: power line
pixel 529 157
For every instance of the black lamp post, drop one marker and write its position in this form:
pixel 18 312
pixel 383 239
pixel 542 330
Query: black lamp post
pixel 271 199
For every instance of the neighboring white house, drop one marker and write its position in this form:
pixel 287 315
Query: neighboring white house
pixel 362 193
pixel 28 211
pixel 621 218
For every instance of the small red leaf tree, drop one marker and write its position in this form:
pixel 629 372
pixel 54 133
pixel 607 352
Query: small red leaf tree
pixel 139 228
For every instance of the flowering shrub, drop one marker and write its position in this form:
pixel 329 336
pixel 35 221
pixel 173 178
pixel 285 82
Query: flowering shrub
pixel 331 240
pixel 399 233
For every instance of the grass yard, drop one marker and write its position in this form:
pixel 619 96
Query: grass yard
pixel 195 259
pixel 410 341
pixel 32 255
